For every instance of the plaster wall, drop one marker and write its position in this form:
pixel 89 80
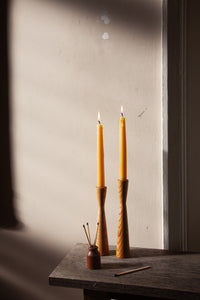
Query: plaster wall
pixel 69 60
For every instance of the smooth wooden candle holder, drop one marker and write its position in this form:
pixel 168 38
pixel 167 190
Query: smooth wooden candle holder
pixel 102 237
pixel 123 249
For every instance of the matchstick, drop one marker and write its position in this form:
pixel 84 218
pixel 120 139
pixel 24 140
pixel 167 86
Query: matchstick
pixel 87 236
pixel 88 232
pixel 132 271
pixel 97 228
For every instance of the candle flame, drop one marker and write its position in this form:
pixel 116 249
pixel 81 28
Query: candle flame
pixel 99 118
pixel 122 110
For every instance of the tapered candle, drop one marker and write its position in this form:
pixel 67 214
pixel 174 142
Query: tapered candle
pixel 122 147
pixel 100 154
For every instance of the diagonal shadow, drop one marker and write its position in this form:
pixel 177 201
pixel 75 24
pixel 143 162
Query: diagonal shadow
pixel 140 14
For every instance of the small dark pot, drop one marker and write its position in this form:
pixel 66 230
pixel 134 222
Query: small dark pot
pixel 93 258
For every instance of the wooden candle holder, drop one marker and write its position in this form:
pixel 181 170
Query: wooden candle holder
pixel 123 249
pixel 102 237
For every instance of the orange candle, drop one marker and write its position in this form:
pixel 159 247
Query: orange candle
pixel 122 147
pixel 100 155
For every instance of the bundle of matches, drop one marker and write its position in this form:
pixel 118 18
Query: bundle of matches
pixel 87 233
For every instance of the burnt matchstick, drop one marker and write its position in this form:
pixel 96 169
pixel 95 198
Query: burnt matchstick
pixel 97 228
pixel 132 271
pixel 87 236
pixel 88 232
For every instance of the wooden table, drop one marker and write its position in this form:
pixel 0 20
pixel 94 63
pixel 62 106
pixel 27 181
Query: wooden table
pixel 171 276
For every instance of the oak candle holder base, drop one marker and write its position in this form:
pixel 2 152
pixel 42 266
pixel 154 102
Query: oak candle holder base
pixel 102 237
pixel 123 248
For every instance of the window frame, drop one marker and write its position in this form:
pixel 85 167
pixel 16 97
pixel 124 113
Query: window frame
pixel 174 125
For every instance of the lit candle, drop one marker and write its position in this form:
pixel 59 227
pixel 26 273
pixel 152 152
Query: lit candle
pixel 122 147
pixel 100 154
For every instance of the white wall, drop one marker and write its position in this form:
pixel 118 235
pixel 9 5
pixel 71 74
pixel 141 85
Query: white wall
pixel 63 72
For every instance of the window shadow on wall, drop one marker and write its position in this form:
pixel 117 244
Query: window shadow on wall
pixel 140 14
pixel 7 211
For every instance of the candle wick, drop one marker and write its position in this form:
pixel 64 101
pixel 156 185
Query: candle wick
pixel 122 114
pixel 99 122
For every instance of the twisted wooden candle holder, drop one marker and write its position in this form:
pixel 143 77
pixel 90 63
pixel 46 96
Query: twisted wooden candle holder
pixel 123 249
pixel 102 237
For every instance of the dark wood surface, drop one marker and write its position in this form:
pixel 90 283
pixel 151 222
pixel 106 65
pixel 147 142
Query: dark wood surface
pixel 171 276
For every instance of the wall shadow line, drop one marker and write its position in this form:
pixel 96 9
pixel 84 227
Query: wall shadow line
pixel 7 211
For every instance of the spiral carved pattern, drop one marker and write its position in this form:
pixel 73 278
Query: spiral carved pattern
pixel 102 237
pixel 123 248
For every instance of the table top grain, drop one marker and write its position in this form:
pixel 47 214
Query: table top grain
pixel 171 276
